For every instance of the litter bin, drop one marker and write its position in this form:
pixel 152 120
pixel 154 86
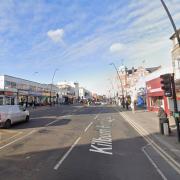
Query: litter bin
pixel 164 126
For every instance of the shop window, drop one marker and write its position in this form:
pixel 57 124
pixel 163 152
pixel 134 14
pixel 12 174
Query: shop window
pixel 9 84
pixel 156 101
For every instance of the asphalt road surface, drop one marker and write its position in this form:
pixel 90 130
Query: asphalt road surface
pixel 78 143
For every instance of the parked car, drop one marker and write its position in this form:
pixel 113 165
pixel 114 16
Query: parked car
pixel 10 114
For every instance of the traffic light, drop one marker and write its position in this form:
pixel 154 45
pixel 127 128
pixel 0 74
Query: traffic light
pixel 166 84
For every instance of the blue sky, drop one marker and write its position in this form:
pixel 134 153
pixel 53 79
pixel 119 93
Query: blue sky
pixel 81 37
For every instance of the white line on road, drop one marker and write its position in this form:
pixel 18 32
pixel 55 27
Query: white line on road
pixel 66 155
pixel 52 122
pixel 154 164
pixel 10 137
pixel 174 164
pixel 56 121
pixel 88 126
pixel 31 132
pixel 96 117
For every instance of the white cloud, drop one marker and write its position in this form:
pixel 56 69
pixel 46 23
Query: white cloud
pixel 56 35
pixel 116 47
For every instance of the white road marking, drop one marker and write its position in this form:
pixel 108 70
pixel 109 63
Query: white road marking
pixel 28 157
pixel 10 137
pixel 96 117
pixel 88 126
pixel 52 122
pixel 31 132
pixel 66 154
pixel 154 164
pixel 103 144
pixel 173 163
pixel 56 120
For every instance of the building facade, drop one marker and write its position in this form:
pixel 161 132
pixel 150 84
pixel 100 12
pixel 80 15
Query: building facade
pixel 15 90
pixel 67 92
pixel 133 80
pixel 154 93
pixel 175 52
pixel 84 93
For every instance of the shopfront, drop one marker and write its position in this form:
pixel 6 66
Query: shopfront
pixel 155 96
pixel 19 91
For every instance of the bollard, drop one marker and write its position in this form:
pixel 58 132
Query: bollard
pixel 166 129
pixel 164 126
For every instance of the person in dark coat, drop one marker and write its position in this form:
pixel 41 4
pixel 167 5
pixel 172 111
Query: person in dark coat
pixel 127 104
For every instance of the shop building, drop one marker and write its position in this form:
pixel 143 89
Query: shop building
pixel 175 53
pixel 67 92
pixel 84 93
pixel 154 94
pixel 15 90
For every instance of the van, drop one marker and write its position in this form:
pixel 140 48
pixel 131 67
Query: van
pixel 11 114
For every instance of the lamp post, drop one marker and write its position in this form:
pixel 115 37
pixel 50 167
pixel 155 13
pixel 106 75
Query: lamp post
pixel 112 86
pixel 122 89
pixel 176 112
pixel 52 84
pixel 172 22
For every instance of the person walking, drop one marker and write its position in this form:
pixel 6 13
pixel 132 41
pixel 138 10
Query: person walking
pixel 127 104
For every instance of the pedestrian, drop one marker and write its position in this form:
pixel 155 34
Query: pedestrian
pixel 127 104
pixel 161 112
pixel 123 103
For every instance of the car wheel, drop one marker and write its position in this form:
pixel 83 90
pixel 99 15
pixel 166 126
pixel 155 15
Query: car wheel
pixel 7 124
pixel 27 118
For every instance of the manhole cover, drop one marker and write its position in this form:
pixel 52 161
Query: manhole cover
pixel 43 131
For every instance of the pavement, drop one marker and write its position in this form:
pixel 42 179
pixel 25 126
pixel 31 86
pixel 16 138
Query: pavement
pixel 149 122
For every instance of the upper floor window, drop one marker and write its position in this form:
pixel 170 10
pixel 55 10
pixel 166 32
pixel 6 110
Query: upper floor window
pixel 9 84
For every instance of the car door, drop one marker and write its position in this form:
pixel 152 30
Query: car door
pixel 13 114
pixel 22 114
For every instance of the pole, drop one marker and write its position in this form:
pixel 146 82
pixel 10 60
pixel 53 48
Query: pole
pixel 51 86
pixel 176 113
pixel 171 20
pixel 122 89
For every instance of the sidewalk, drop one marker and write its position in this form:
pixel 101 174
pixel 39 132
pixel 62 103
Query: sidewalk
pixel 149 122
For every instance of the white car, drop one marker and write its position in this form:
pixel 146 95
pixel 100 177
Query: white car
pixel 10 114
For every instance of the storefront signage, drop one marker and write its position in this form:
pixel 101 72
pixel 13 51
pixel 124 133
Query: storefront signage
pixel 21 92
pixel 35 93
pixel 155 90
pixel 9 93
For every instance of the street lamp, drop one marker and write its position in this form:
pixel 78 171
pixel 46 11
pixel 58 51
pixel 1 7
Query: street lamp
pixel 176 112
pixel 172 22
pixel 112 86
pixel 52 84
pixel 122 89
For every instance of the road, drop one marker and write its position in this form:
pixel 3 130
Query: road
pixel 74 143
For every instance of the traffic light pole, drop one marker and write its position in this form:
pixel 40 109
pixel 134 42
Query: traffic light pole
pixel 176 113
